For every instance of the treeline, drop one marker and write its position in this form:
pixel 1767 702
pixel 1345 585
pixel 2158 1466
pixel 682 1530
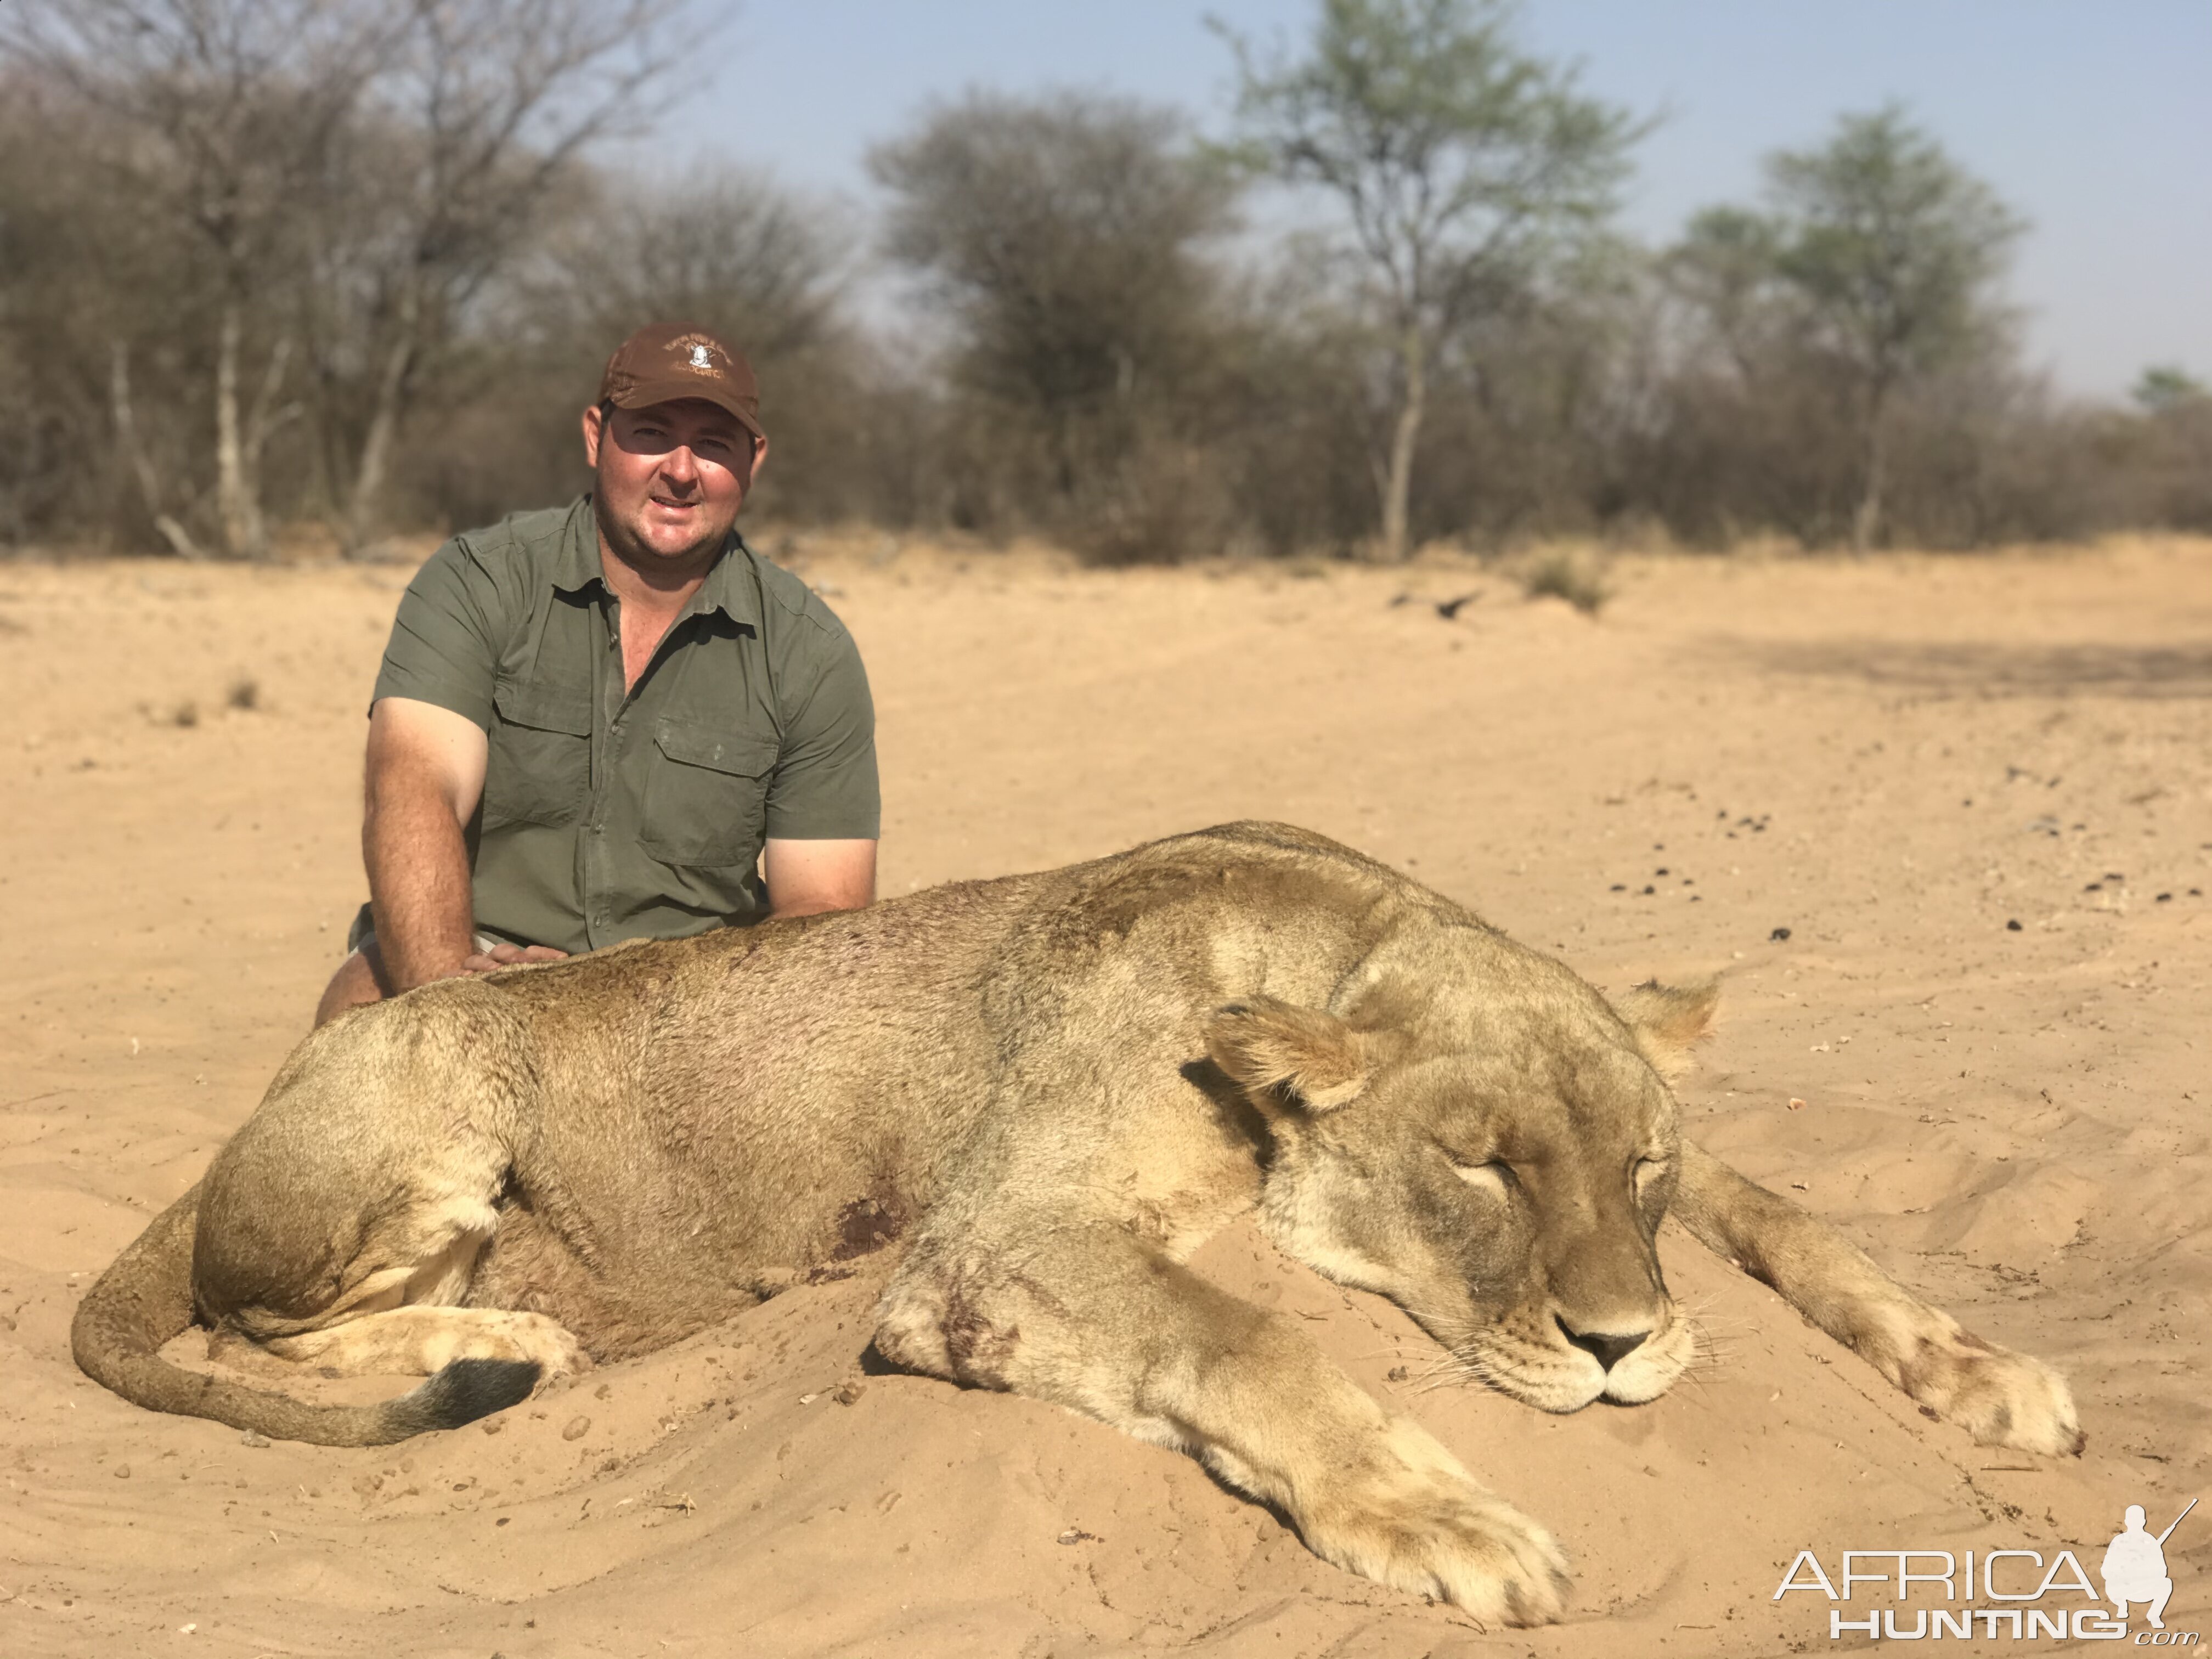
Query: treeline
pixel 349 268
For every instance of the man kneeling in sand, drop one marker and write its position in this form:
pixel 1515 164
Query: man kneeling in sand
pixel 2134 1570
pixel 614 719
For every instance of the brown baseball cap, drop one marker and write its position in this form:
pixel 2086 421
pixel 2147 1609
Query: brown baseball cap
pixel 663 362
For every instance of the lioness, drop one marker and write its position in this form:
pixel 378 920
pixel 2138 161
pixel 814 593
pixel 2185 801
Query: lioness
pixel 1055 1086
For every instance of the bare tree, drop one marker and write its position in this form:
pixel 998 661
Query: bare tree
pixel 723 246
pixel 1727 269
pixel 135 456
pixel 1461 164
pixel 1065 237
pixel 86 276
pixel 483 112
pixel 230 108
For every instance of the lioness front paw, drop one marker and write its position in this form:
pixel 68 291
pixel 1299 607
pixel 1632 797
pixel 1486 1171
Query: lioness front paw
pixel 2000 1397
pixel 1427 1527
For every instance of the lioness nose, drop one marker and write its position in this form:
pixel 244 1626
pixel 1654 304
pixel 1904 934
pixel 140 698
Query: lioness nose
pixel 1608 1349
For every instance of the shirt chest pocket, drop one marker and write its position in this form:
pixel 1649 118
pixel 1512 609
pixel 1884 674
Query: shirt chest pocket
pixel 539 769
pixel 706 798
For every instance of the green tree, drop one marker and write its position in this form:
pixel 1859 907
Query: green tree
pixel 2165 386
pixel 1895 250
pixel 1464 167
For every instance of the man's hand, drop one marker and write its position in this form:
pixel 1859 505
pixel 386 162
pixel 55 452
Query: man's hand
pixel 806 877
pixel 507 956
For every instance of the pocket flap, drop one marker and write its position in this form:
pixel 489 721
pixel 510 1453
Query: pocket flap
pixel 740 754
pixel 544 708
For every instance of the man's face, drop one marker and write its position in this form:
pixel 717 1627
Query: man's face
pixel 670 478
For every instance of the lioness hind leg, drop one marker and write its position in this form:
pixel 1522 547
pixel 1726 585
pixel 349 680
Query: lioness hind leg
pixel 2000 1397
pixel 424 1340
pixel 369 1179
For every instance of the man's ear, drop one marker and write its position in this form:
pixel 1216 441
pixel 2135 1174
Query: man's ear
pixel 1279 1052
pixel 1666 1021
pixel 594 423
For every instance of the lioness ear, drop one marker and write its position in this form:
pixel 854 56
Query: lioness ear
pixel 1272 1047
pixel 1666 1021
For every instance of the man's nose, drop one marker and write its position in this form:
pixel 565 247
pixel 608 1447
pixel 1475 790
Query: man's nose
pixel 680 465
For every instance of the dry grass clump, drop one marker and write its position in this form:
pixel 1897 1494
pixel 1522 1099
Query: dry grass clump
pixel 1566 574
pixel 242 696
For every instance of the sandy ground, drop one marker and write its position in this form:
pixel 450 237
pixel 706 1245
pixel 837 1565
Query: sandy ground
pixel 1894 761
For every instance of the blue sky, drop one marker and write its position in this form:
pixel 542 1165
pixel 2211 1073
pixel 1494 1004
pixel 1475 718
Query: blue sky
pixel 2093 118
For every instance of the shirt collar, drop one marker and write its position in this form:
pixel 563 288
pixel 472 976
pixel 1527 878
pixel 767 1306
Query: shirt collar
pixel 729 587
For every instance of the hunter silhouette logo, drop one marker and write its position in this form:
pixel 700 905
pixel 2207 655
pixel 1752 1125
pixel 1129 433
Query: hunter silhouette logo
pixel 2133 1568
pixel 2013 1595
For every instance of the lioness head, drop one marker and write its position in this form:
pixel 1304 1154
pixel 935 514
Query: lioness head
pixel 1496 1166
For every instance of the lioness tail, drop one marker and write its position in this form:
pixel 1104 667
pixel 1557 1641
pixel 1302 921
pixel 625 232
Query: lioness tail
pixel 146 1298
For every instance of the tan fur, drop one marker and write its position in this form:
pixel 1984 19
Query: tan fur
pixel 1050 1089
pixel 431 1337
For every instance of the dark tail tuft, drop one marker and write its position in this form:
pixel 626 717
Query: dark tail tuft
pixel 461 1392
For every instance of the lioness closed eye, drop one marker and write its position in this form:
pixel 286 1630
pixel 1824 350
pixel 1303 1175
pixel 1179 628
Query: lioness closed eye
pixel 1056 1086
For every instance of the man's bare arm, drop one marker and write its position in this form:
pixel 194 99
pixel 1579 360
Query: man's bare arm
pixel 426 773
pixel 808 876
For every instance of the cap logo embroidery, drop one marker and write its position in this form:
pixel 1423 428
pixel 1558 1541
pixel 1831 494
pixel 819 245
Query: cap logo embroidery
pixel 699 360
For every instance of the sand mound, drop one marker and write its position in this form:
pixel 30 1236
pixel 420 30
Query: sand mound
pixel 1894 762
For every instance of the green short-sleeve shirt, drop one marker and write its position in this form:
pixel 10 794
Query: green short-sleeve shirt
pixel 610 813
